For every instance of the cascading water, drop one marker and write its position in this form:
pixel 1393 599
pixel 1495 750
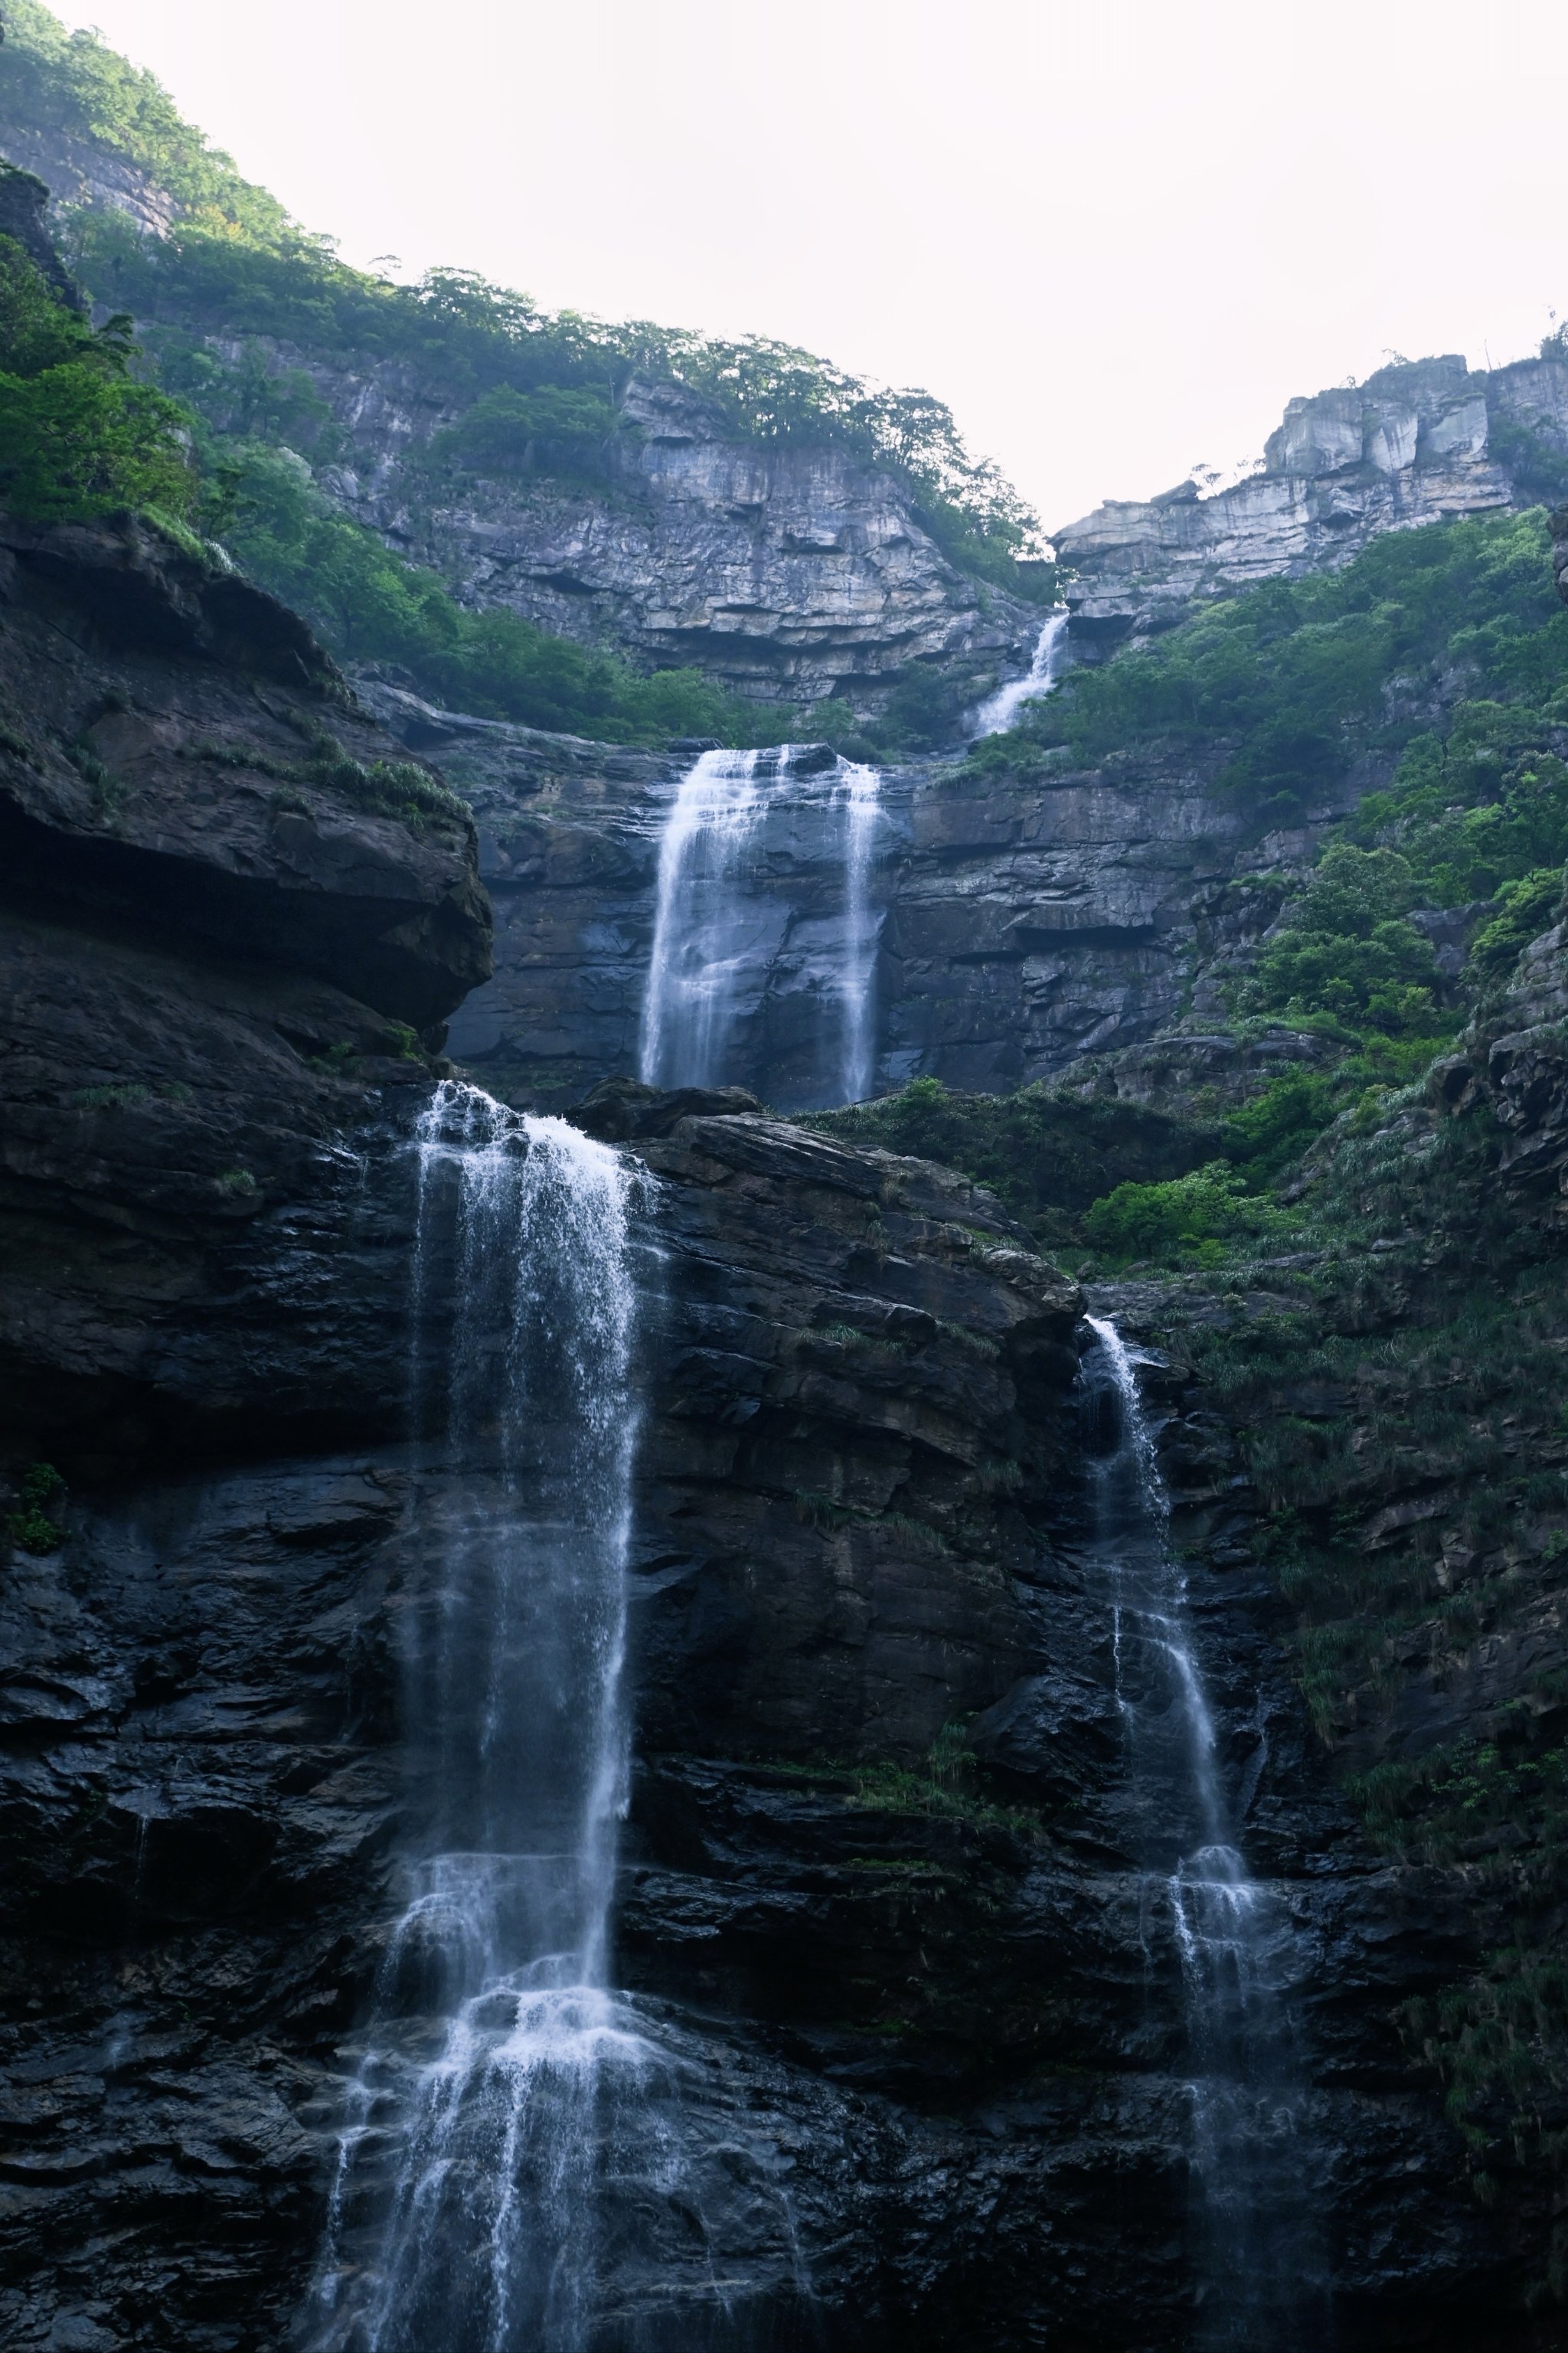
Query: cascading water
pixel 999 711
pixel 501 2081
pixel 1260 2276
pixel 725 938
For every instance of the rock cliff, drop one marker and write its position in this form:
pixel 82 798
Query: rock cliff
pixel 1026 922
pixel 927 2081
pixel 790 573
pixel 1416 441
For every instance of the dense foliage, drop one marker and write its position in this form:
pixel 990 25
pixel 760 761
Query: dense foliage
pixel 1282 690
pixel 78 435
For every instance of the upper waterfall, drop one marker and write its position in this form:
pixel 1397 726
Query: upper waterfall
pixel 764 896
pixel 999 711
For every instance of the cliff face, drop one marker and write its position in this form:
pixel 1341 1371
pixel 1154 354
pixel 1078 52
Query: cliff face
pixel 928 2079
pixel 790 573
pixel 1414 442
pixel 1025 924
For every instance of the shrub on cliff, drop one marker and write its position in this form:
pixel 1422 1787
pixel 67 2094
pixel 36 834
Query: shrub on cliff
pixel 1348 951
pixel 1186 1218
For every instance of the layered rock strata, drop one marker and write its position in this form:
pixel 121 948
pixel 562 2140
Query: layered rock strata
pixel 1417 441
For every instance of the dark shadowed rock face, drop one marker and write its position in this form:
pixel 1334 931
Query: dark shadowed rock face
pixel 176 746
pixel 928 2034
pixel 929 2041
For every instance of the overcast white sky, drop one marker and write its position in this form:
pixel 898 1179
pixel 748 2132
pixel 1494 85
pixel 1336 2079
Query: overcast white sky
pixel 1115 237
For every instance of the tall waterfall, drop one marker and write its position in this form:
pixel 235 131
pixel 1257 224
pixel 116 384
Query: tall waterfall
pixel 497 2068
pixel 861 793
pixel 1260 2280
pixel 999 711
pixel 725 932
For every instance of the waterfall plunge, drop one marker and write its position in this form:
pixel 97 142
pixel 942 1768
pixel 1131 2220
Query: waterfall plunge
pixel 716 945
pixel 500 2082
pixel 1260 2279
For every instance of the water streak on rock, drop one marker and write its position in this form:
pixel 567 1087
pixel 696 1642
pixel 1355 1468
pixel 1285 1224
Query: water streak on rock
pixel 1258 2275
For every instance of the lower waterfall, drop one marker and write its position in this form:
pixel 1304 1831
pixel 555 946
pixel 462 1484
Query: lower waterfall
pixel 730 934
pixel 1258 2270
pixel 499 2082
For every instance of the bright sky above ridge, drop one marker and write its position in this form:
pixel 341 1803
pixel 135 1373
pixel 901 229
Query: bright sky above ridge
pixel 1115 237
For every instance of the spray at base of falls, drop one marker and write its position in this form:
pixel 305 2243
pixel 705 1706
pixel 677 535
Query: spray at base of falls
pixel 511 2159
pixel 717 938
pixel 1260 2277
pixel 999 711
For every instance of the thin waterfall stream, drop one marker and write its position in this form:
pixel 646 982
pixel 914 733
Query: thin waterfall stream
pixel 1259 2265
pixel 722 923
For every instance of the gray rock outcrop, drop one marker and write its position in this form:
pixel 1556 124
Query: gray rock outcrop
pixel 1417 441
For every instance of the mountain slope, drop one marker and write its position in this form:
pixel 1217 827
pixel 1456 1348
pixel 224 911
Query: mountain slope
pixel 743 509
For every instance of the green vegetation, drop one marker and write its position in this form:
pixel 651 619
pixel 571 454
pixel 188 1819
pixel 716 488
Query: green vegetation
pixel 944 1782
pixel 1281 690
pixel 30 1525
pixel 1047 1155
pixel 1182 1219
pixel 79 437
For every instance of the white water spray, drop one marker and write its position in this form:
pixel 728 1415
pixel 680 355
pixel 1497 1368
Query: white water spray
pixel 999 711
pixel 700 941
pixel 861 792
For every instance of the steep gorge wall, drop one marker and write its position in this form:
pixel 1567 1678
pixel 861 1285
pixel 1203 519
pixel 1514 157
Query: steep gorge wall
pixel 925 2059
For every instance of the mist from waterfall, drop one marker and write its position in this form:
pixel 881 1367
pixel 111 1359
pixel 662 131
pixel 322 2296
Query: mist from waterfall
pixel 717 924
pixel 999 711
pixel 1260 2278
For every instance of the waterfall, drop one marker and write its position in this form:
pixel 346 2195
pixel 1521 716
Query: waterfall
pixel 497 2071
pixel 999 711
pixel 699 935
pixel 861 794
pixel 729 942
pixel 1260 2277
